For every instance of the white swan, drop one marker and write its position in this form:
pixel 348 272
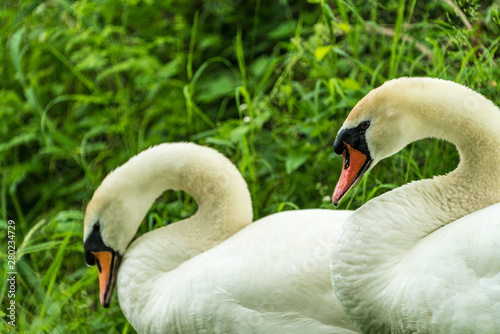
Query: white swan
pixel 270 277
pixel 425 257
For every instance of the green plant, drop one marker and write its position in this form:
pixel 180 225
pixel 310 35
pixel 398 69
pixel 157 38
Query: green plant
pixel 87 84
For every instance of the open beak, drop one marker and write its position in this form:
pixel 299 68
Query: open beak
pixel 355 165
pixel 107 263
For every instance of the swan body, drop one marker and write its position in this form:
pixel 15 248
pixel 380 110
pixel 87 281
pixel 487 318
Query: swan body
pixel 213 272
pixel 254 282
pixel 425 257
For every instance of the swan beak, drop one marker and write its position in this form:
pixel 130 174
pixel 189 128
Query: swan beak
pixel 107 264
pixel 355 165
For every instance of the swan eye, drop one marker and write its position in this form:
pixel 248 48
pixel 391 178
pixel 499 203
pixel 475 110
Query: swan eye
pixel 364 125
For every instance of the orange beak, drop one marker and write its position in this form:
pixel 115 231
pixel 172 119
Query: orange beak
pixel 355 165
pixel 107 264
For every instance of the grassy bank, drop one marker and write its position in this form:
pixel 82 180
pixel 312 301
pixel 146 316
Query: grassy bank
pixel 85 85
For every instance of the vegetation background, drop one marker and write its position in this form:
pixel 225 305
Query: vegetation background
pixel 84 85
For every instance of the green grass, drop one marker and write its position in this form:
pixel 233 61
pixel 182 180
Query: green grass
pixel 85 85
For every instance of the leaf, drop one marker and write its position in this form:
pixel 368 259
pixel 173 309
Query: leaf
pixel 238 132
pixel 95 61
pixel 124 66
pixel 344 27
pixel 287 89
pixel 259 66
pixel 211 89
pixel 322 51
pixel 220 142
pixel 295 160
pixel 284 30
pixel 18 140
pixel 351 84
pixel 17 52
pixel 169 69
pixel 16 174
pixel 39 247
pixel 291 204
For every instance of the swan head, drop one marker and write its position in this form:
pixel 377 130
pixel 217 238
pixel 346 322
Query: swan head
pixel 110 223
pixel 101 248
pixel 107 261
pixel 376 128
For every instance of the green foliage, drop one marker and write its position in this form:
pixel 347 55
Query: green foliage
pixel 84 85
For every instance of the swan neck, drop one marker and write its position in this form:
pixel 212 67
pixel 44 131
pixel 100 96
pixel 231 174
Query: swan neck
pixel 224 204
pixel 449 111
pixel 376 241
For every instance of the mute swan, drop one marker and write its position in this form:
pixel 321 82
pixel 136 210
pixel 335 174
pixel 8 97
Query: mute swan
pixel 424 257
pixel 270 277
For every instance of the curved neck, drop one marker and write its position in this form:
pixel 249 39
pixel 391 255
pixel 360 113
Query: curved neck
pixel 155 259
pixel 224 204
pixel 377 239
